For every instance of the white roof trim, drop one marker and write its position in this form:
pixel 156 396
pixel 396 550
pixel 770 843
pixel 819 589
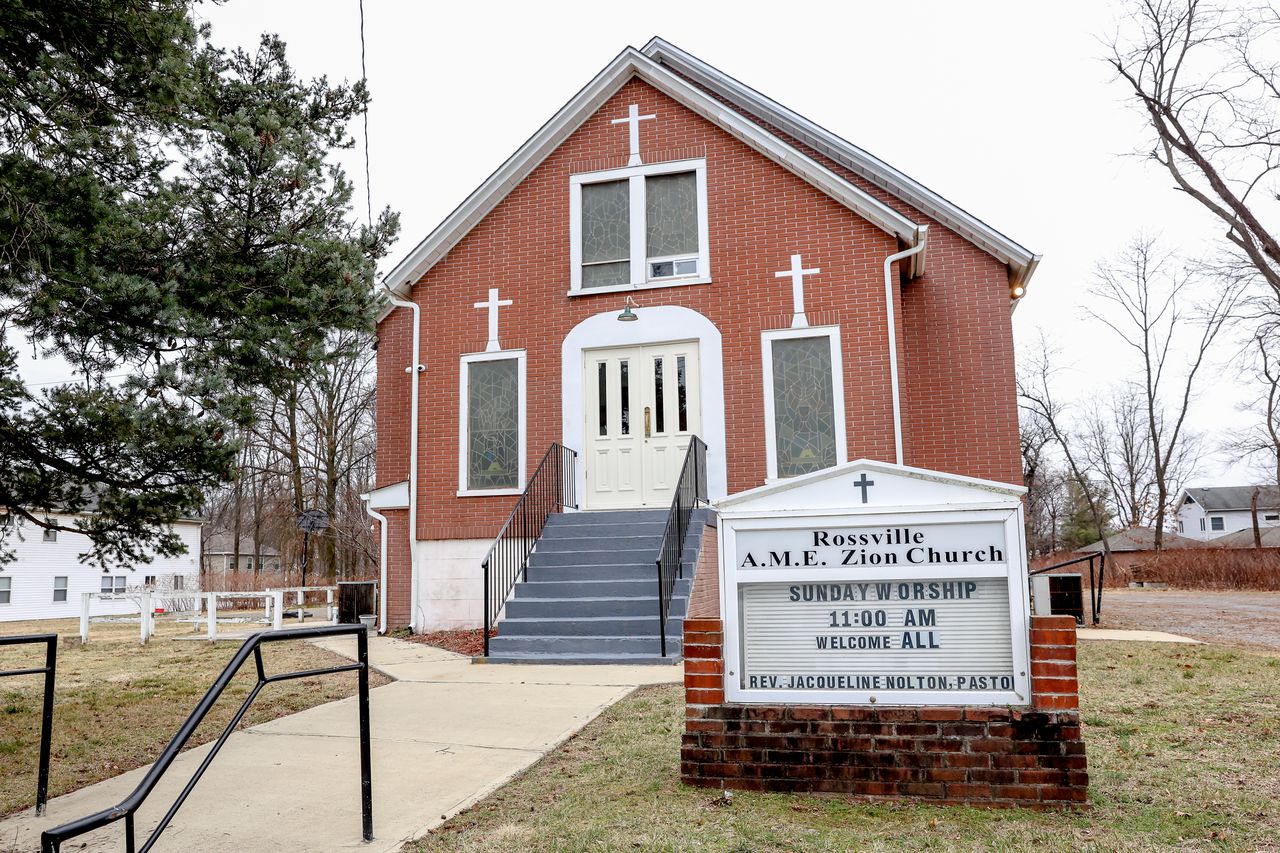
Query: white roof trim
pixel 1022 262
pixel 627 64
pixel 1006 490
pixel 394 496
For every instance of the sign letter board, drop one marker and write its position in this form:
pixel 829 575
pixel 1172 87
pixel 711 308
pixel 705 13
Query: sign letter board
pixel 872 583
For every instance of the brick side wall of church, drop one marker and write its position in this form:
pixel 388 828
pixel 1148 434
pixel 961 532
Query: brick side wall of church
pixel 1030 757
pixel 955 337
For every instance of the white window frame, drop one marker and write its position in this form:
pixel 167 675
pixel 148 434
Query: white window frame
pixel 521 358
pixel 49 534
pixel 7 583
pixel 832 333
pixel 116 588
pixel 64 589
pixel 1218 520
pixel 636 175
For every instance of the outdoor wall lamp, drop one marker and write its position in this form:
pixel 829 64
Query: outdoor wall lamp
pixel 627 315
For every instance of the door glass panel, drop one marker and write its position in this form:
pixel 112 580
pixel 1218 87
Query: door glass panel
pixel 625 390
pixel 803 405
pixel 493 424
pixel 658 401
pixel 602 378
pixel 682 399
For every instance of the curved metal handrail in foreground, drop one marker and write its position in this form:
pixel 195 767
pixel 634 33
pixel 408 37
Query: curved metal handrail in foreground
pixel 51 840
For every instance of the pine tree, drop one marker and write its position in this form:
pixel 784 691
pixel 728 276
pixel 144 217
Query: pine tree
pixel 172 228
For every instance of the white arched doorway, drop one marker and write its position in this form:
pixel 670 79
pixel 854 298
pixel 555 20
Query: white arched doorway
pixel 658 329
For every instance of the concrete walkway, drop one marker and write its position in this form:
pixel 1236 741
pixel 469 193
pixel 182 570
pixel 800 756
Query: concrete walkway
pixel 1133 636
pixel 445 734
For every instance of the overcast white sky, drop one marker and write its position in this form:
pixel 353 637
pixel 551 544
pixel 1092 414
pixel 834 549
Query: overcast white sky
pixel 1005 108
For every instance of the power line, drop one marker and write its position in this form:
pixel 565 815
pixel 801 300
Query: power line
pixel 364 78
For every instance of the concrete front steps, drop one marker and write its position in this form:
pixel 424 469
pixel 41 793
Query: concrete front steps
pixel 591 594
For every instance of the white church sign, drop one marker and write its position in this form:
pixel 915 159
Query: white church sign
pixel 871 583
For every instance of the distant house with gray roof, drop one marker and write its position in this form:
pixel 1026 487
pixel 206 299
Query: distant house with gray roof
pixel 1212 512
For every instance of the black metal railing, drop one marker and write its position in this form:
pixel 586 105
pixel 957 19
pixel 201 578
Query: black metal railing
pixel 691 489
pixel 552 487
pixel 51 840
pixel 1095 589
pixel 50 673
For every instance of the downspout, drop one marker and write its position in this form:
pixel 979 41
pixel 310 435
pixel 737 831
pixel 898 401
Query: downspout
pixel 893 341
pixel 382 563
pixel 413 370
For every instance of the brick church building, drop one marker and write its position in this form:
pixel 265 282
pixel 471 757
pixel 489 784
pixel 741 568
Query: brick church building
pixel 671 255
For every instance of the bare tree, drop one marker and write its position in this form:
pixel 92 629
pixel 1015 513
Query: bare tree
pixel 1208 82
pixel 1038 402
pixel 1117 443
pixel 1153 313
pixel 1261 442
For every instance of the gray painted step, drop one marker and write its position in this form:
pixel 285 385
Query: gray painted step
pixel 591 626
pixel 554 608
pixel 603 557
pixel 609 516
pixel 673 658
pixel 567 542
pixel 578 645
pixel 636 572
pixel 642 588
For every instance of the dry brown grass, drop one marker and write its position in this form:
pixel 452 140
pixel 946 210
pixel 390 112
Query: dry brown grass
pixel 1184 754
pixel 117 703
pixel 1187 568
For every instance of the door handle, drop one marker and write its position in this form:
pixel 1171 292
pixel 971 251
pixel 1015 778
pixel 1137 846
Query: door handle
pixel 647 431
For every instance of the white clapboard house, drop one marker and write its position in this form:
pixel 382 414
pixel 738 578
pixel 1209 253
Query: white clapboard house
pixel 47 579
pixel 1215 511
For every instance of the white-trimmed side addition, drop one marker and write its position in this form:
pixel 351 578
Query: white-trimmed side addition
pixel 798 395
pixel 663 270
pixel 467 484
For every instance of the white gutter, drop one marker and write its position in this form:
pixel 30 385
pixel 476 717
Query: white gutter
pixel 893 342
pixel 382 563
pixel 413 370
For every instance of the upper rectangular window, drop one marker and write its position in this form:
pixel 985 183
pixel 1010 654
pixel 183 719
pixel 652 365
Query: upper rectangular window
pixel 1271 518
pixel 6 590
pixel 112 584
pixel 639 226
pixel 50 535
pixel 803 400
pixel 1216 523
pixel 492 423
pixel 60 588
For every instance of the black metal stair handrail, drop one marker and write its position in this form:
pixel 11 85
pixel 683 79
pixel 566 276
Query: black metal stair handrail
pixel 552 487
pixel 691 489
pixel 50 673
pixel 1095 590
pixel 51 840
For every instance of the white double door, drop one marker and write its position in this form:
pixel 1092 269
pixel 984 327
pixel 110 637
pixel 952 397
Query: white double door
pixel 642 406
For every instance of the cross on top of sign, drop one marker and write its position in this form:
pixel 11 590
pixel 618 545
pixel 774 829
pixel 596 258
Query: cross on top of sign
pixel 632 120
pixel 863 483
pixel 797 274
pixel 493 304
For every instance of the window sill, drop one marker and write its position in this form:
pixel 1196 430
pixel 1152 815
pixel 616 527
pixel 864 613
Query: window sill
pixel 488 493
pixel 648 285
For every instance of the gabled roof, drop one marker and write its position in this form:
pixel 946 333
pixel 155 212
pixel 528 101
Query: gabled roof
pixel 1244 538
pixel 1140 539
pixel 1223 498
pixel 1021 261
pixel 661 66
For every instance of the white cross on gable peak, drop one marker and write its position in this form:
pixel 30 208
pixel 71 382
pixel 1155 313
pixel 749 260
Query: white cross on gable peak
pixel 797 274
pixel 633 119
pixel 493 304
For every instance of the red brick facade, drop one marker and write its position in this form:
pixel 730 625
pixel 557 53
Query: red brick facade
pixel 955 337
pixel 980 756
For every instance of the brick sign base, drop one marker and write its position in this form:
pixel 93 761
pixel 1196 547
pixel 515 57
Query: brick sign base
pixel 1031 757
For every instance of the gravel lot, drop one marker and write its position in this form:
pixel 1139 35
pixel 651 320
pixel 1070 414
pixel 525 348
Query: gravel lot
pixel 1233 618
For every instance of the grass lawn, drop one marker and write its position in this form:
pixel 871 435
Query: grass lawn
pixel 1184 753
pixel 117 703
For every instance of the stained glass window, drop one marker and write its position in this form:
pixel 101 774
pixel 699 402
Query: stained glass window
pixel 671 217
pixel 659 399
pixel 606 233
pixel 803 405
pixel 493 424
